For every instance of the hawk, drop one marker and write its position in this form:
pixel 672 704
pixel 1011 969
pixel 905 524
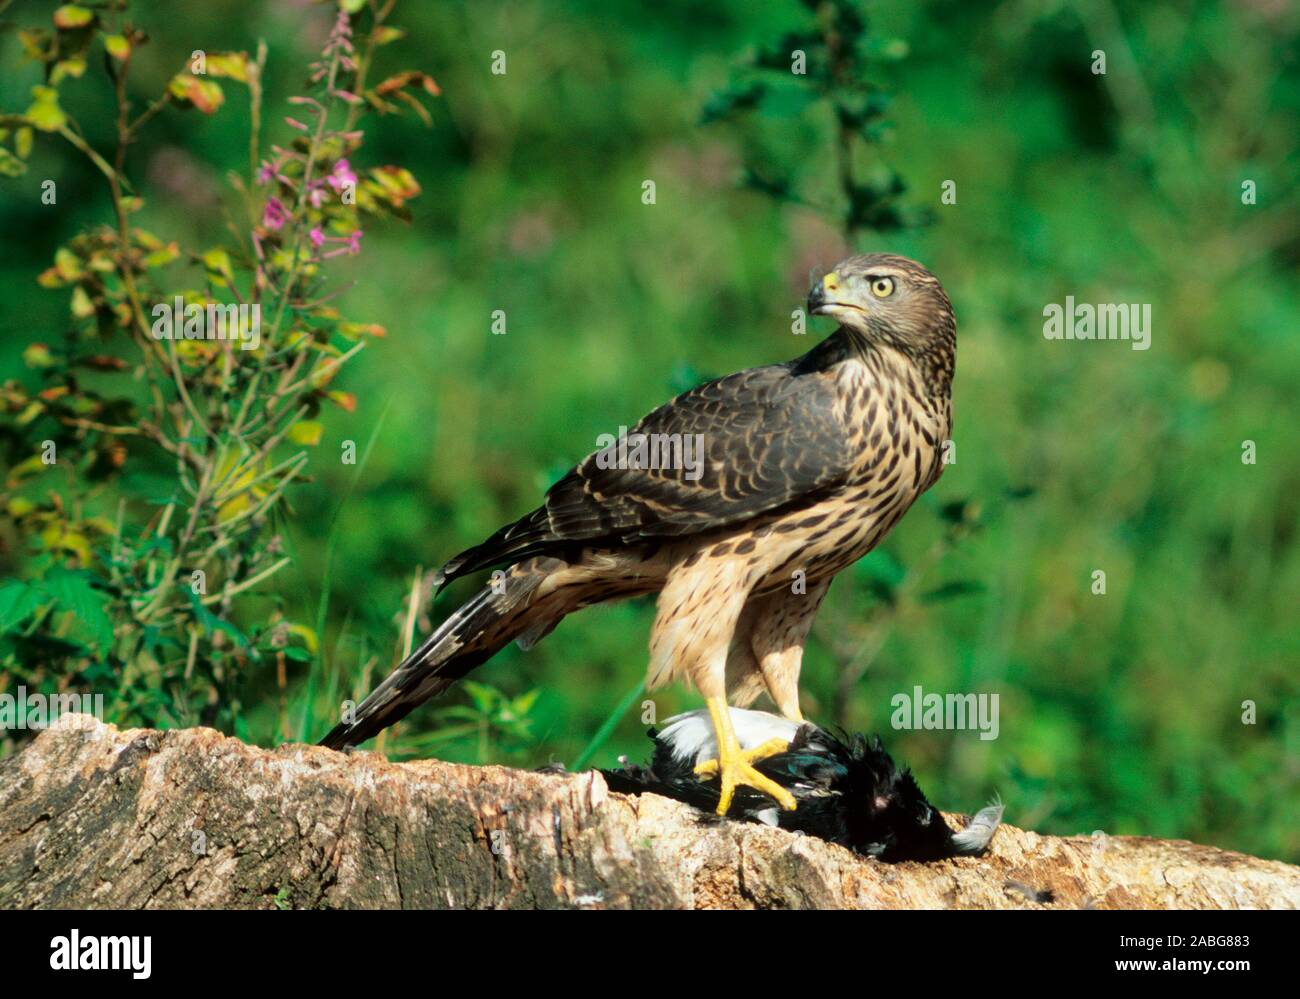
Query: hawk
pixel 803 468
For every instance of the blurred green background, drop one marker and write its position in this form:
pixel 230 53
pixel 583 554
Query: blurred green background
pixel 1120 712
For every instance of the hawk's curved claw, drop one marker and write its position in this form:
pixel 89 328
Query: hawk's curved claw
pixel 735 766
pixel 740 770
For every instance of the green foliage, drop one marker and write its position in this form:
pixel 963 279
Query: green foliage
pixel 220 424
pixel 833 63
pixel 496 723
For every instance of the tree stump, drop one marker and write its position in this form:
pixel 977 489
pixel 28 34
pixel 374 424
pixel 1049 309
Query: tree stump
pixel 95 817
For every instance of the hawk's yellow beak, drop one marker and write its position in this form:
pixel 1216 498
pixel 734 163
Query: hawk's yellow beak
pixel 822 296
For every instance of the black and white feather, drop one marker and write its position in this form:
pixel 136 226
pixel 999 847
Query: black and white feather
pixel 849 790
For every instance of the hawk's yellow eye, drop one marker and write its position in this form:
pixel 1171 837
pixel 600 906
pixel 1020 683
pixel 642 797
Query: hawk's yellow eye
pixel 882 287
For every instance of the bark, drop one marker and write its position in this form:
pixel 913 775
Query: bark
pixel 94 817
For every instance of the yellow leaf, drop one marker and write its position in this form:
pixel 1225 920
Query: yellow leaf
pixel 33 410
pixel 67 264
pixel 117 46
pixel 37 355
pixel 20 507
pixel 306 432
pixel 206 95
pixel 163 256
pixel 101 525
pixel 234 479
pixel 229 64
pixel 26 468
pixel 82 306
pixel 71 16
pixel 307 635
pixel 59 537
pixel 73 67
pixel 323 373
pixel 45 112
pixel 38 45
pixel 346 400
pixel 217 262
pixel 396 183
pixel 354 330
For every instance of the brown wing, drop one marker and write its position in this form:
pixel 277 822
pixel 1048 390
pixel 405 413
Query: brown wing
pixel 771 437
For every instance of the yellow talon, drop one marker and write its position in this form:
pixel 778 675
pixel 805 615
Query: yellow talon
pixel 735 766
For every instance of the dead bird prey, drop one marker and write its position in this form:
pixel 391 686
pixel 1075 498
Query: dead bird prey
pixel 802 468
pixel 849 791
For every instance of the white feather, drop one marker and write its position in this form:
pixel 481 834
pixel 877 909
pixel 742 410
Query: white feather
pixel 768 816
pixel 690 736
pixel 975 837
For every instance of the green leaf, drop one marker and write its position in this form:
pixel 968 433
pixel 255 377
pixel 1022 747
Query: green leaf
pixel 11 165
pixel 522 704
pixel 210 623
pixel 74 590
pixel 481 694
pixel 17 601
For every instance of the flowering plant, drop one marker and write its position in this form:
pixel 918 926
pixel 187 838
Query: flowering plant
pixel 153 506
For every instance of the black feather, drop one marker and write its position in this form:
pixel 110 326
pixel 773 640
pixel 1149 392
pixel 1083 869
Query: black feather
pixel 848 789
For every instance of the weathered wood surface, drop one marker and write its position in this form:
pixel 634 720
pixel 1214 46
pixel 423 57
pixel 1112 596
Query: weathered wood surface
pixel 94 817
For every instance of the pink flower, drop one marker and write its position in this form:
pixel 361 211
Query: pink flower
pixel 340 35
pixel 266 173
pixel 342 176
pixel 317 237
pixel 352 245
pixel 275 215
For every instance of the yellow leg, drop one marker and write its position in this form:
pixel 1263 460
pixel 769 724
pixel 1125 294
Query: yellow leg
pixel 735 766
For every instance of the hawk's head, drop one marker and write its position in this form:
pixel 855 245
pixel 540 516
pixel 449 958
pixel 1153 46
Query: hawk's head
pixel 890 299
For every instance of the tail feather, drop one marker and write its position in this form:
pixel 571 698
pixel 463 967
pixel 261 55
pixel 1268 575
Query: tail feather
pixel 480 628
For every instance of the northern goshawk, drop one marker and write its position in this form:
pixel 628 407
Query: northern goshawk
pixel 805 467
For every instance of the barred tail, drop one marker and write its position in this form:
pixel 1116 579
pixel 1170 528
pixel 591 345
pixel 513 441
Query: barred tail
pixel 478 630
